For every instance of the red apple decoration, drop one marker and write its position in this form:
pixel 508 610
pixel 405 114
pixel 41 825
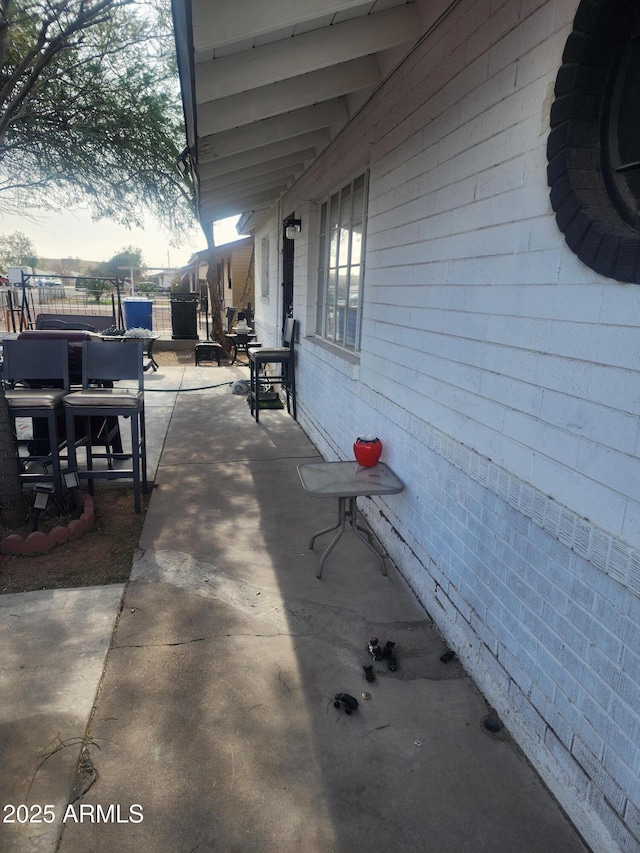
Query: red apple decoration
pixel 367 450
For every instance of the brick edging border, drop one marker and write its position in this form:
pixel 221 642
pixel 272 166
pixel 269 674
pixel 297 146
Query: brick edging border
pixel 39 542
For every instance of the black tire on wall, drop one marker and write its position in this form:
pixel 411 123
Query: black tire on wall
pixel 596 225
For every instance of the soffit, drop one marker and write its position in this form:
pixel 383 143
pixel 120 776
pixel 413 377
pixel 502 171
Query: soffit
pixel 267 84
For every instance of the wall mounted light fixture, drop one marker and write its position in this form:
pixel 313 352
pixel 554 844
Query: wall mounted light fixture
pixel 292 227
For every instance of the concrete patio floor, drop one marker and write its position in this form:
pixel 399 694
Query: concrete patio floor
pixel 203 690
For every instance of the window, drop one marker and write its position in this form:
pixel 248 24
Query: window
pixel 341 264
pixel 264 266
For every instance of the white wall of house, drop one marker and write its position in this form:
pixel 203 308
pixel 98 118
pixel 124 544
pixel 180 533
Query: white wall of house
pixel 268 294
pixel 502 377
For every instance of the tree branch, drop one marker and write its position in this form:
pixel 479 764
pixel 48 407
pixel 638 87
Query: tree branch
pixel 21 82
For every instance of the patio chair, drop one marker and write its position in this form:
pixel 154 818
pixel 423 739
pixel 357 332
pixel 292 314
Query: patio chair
pixel 102 362
pixel 285 357
pixel 74 339
pixel 36 379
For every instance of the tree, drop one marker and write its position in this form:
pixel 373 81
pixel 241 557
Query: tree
pixel 96 287
pixel 128 260
pixel 17 250
pixel 216 297
pixel 90 110
pixel 148 287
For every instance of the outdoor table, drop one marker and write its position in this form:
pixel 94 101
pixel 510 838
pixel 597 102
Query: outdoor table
pixel 347 481
pixel 147 347
pixel 240 341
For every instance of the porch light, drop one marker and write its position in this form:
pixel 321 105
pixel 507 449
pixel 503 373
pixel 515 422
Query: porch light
pixel 292 227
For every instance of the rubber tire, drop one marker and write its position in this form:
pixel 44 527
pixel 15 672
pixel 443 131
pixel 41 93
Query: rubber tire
pixel 594 227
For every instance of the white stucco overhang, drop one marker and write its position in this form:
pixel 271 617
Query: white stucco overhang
pixel 266 85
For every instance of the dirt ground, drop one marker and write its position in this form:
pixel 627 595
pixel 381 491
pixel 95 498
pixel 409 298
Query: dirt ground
pixel 169 358
pixel 184 357
pixel 103 555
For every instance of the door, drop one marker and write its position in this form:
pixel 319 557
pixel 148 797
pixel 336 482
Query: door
pixel 287 273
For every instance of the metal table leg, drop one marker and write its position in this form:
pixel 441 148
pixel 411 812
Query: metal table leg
pixel 324 530
pixel 154 363
pixel 342 520
pixel 352 513
pixel 346 511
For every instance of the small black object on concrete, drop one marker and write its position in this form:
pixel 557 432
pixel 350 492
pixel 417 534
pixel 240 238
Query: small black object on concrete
pixel 449 655
pixel 344 700
pixel 387 653
pixel 492 725
pixel 368 673
pixel 374 648
pixel 380 654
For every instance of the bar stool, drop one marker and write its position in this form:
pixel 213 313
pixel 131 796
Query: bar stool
pixel 103 362
pixel 284 356
pixel 38 363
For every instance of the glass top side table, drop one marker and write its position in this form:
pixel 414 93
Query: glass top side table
pixel 347 481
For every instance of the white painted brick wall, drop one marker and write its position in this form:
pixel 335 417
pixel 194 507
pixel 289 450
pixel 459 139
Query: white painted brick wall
pixel 553 632
pixel 267 307
pixel 502 377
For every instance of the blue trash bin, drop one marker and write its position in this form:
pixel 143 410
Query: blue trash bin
pixel 138 312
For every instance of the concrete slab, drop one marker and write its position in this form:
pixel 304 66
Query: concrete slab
pixel 217 719
pixel 54 646
pixel 214 727
pixel 217 723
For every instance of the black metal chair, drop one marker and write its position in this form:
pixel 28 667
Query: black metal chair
pixel 42 369
pixel 284 356
pixel 102 362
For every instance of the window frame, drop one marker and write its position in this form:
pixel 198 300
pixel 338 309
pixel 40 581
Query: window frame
pixel 265 253
pixel 342 226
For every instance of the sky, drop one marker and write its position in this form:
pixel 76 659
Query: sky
pixel 73 234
